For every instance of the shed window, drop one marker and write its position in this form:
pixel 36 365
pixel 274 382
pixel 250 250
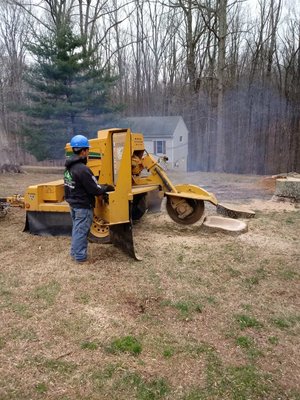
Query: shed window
pixel 180 138
pixel 159 147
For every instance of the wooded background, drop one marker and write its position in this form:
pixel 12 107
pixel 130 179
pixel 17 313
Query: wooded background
pixel 231 69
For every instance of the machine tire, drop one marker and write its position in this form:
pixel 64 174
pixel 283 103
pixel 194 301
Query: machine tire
pixel 99 240
pixel 99 233
pixel 198 211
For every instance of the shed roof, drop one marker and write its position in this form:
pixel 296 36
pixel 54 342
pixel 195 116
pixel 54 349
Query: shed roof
pixel 153 127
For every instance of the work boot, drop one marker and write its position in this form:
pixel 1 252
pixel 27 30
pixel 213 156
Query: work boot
pixel 86 261
pixel 81 261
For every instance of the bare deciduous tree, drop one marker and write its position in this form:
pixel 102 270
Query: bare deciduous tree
pixel 233 76
pixel 14 29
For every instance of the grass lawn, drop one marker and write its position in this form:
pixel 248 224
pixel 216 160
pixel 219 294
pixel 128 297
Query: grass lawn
pixel 202 316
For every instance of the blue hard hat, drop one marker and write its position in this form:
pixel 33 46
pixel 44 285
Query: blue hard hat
pixel 79 141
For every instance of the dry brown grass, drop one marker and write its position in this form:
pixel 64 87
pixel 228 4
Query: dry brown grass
pixel 217 316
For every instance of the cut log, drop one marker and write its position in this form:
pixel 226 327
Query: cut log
pixel 288 189
pixel 228 225
pixel 234 211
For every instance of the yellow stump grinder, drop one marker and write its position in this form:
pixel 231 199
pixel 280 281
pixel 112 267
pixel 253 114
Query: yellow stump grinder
pixel 117 157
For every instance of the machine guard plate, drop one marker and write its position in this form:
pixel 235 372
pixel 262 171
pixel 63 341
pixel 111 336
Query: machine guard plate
pixel 121 236
pixel 48 223
pixel 193 192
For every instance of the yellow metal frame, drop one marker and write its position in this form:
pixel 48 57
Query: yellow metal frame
pixel 46 197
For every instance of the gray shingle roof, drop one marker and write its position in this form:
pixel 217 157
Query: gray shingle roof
pixel 152 127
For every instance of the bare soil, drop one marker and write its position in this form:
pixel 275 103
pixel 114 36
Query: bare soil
pixel 216 316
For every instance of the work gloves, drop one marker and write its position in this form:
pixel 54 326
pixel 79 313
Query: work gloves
pixel 107 188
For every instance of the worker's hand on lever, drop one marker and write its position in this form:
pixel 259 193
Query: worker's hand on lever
pixel 107 189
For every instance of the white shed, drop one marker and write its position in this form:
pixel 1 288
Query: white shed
pixel 163 136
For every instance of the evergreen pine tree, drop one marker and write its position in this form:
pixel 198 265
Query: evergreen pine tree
pixel 67 91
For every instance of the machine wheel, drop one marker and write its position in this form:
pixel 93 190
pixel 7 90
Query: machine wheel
pixel 99 233
pixel 139 206
pixel 176 214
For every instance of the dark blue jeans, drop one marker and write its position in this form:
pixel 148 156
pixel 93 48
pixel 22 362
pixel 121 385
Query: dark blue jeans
pixel 82 219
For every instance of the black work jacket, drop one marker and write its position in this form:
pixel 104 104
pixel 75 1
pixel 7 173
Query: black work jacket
pixel 80 184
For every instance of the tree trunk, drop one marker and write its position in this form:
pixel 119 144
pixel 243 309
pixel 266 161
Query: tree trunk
pixel 220 142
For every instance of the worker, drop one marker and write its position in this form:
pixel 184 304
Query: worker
pixel 81 187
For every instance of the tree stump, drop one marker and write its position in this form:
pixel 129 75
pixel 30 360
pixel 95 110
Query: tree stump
pixel 287 189
pixel 15 168
pixel 227 225
pixel 234 211
pixel 3 209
